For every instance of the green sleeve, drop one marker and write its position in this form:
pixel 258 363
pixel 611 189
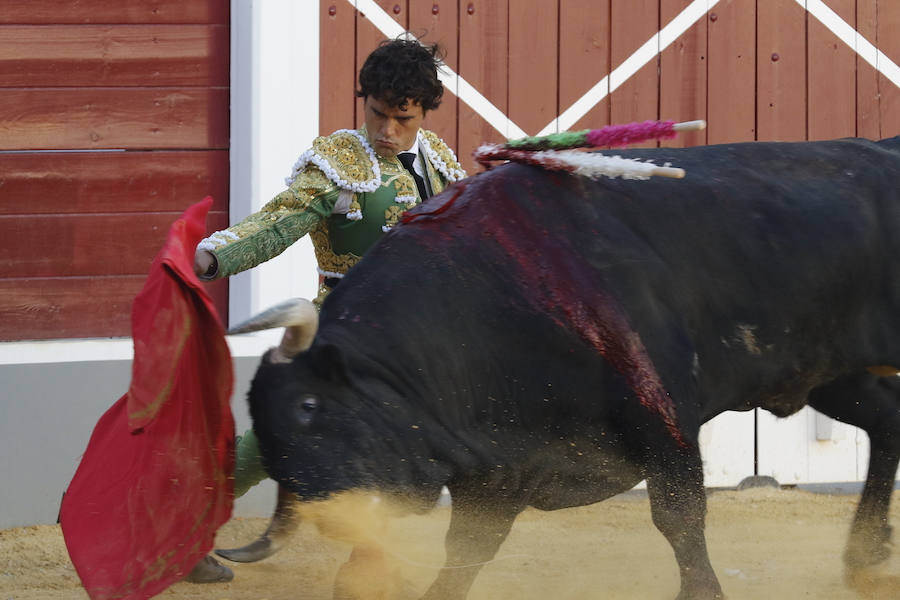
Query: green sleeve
pixel 282 221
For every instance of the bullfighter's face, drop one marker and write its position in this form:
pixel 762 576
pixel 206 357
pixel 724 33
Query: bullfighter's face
pixel 392 129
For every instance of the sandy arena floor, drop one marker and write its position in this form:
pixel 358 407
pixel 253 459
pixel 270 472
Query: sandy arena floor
pixel 764 543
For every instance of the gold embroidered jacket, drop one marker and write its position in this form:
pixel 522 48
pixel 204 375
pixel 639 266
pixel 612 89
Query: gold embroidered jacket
pixel 340 193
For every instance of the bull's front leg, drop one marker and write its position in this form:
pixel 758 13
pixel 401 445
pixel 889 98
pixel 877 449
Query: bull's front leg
pixel 478 526
pixel 678 506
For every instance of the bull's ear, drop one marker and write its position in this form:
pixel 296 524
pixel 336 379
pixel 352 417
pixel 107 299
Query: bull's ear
pixel 330 363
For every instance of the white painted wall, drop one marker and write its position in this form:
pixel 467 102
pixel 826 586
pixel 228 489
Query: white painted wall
pixel 274 118
pixel 726 445
pixel 47 414
pixel 809 447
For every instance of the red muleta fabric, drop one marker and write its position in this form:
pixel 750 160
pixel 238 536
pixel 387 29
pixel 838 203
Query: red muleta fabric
pixel 155 482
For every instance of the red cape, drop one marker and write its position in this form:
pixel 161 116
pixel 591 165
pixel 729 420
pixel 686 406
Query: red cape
pixel 155 482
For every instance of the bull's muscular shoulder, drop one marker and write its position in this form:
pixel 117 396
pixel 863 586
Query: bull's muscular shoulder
pixel 345 158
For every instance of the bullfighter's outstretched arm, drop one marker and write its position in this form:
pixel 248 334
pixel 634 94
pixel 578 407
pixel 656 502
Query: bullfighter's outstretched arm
pixel 263 235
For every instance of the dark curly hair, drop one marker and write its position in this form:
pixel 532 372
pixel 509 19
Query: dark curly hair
pixel 400 70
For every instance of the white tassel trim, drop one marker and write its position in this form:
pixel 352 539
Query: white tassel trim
pixel 484 149
pixel 219 238
pixel 330 274
pixel 354 215
pixel 405 199
pixel 438 162
pixel 310 156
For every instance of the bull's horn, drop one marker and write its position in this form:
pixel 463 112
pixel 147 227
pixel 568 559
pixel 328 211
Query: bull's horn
pixel 284 522
pixel 299 318
pixel 295 311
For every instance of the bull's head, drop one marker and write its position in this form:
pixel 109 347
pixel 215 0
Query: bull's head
pixel 327 426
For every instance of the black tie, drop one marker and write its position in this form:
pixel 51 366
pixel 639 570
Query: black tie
pixel 407 158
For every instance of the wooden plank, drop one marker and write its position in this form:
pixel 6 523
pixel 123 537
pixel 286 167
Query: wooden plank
pixel 438 22
pixel 868 96
pixel 218 292
pixel 113 55
pixel 118 11
pixel 781 71
pixel 584 57
pixel 483 36
pixel 731 112
pixel 682 76
pixel 337 65
pixel 38 309
pixel 832 78
pixel 633 22
pixel 131 118
pixel 533 72
pixel 889 44
pixel 368 37
pixel 55 308
pixel 105 182
pixel 80 245
pixel 34 307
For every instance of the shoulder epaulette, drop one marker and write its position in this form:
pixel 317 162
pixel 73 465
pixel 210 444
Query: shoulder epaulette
pixel 441 156
pixel 346 159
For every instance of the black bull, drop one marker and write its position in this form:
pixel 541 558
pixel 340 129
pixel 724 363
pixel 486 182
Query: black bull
pixel 532 338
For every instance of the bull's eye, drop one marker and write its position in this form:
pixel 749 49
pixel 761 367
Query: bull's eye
pixel 305 409
pixel 309 403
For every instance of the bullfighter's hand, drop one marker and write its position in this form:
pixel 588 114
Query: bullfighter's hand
pixel 205 264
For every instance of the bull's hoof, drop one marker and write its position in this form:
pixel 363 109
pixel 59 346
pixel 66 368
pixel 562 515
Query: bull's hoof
pixel 712 595
pixel 700 588
pixel 367 575
pixel 255 551
pixel 872 582
pixel 209 570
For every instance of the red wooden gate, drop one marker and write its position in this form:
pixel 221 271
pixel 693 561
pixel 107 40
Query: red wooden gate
pixel 113 119
pixel 754 70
